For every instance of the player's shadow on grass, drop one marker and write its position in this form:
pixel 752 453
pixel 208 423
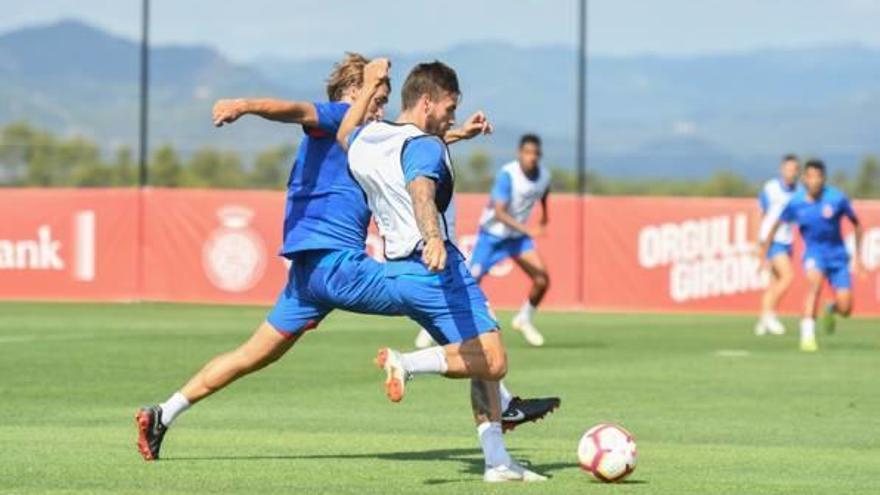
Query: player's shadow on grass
pixel 471 460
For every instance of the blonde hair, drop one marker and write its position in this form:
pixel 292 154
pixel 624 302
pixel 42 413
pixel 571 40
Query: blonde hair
pixel 347 73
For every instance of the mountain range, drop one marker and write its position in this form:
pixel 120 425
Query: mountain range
pixel 648 116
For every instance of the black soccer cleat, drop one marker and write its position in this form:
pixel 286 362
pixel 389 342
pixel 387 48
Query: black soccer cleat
pixel 151 431
pixel 521 411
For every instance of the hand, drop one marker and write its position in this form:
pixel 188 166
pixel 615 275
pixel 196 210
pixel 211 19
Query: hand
pixel 376 72
pixel 537 231
pixel 228 111
pixel 434 254
pixel 476 125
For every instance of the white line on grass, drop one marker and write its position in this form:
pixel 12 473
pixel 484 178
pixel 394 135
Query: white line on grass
pixel 732 353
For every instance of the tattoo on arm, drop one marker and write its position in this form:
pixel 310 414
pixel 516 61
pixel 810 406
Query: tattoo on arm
pixel 422 192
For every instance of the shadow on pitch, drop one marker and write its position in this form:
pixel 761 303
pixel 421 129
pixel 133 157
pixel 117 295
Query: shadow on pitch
pixel 470 460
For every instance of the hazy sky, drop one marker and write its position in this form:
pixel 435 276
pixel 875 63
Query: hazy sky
pixel 310 28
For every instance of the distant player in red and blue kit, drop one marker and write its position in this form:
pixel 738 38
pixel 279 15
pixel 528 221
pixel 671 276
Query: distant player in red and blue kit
pixel 817 210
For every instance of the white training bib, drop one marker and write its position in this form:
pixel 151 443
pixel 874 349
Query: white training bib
pixel 374 159
pixel 776 197
pixel 524 193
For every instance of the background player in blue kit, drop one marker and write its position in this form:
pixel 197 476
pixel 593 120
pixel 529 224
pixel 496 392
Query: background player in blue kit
pixel 817 210
pixel 774 195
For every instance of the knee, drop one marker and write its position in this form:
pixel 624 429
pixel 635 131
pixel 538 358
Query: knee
pixel 844 308
pixel 496 368
pixel 541 280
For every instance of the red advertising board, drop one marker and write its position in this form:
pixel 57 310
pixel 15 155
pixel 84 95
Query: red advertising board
pixel 614 253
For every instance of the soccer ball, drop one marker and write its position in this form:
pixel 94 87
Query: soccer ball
pixel 607 452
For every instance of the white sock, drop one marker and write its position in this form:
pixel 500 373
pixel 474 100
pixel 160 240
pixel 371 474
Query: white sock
pixel 526 310
pixel 808 328
pixel 430 360
pixel 492 442
pixel 505 396
pixel 172 407
pixel 769 315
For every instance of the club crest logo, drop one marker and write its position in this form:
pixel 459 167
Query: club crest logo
pixel 827 211
pixel 234 256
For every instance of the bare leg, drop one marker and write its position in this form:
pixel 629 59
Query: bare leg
pixel 485 401
pixel 264 347
pixel 483 358
pixel 781 276
pixel 843 302
pixel 533 265
pixel 814 288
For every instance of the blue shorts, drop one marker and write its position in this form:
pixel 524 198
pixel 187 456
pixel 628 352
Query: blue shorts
pixel 320 281
pixel 777 248
pixel 491 250
pixel 833 268
pixel 450 304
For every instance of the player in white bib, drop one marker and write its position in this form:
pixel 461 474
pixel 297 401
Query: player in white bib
pixel 405 170
pixel 774 195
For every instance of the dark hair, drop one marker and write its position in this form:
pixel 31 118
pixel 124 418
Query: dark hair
pixel 428 78
pixel 791 157
pixel 530 139
pixel 817 164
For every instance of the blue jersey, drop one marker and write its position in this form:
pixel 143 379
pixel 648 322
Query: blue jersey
pixel 819 221
pixel 326 208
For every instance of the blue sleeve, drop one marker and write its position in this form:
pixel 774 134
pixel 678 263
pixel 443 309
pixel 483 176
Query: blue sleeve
pixel 501 191
pixel 423 157
pixel 330 115
pixel 763 200
pixel 847 209
pixel 787 215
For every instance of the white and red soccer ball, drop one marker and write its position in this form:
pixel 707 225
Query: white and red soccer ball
pixel 607 452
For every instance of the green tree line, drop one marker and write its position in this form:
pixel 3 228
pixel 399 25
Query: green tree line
pixel 32 157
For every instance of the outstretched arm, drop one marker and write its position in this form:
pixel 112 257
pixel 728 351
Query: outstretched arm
pixel 375 75
pixel 477 124
pixel 227 111
pixel 422 191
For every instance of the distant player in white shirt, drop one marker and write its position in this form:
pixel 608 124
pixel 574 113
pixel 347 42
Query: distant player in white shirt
pixel 504 231
pixel 774 196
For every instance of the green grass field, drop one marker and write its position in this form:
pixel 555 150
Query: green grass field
pixel 714 409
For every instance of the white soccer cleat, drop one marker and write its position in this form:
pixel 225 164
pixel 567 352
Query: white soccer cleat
pixel 760 328
pixel 524 326
pixel 396 375
pixel 774 326
pixel 424 339
pixel 512 472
